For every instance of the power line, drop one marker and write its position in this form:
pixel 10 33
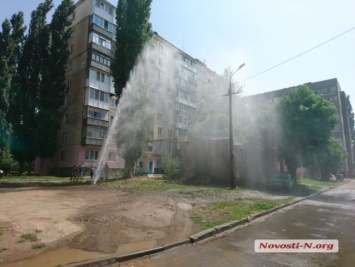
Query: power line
pixel 335 37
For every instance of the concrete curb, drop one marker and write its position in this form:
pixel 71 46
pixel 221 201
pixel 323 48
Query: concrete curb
pixel 125 257
pixel 205 234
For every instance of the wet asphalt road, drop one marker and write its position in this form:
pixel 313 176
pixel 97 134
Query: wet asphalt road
pixel 330 215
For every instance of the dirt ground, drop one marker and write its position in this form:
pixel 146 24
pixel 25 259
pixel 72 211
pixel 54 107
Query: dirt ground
pixel 88 217
pixel 95 218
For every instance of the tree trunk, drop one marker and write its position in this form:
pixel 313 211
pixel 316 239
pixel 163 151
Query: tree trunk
pixel 21 167
pixel 324 173
pixel 129 168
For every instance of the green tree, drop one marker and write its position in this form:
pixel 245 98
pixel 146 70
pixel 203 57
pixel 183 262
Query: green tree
pixel 52 85
pixel 306 123
pixel 11 38
pixel 134 128
pixel 26 85
pixel 5 126
pixel 331 158
pixel 132 32
pixel 212 113
pixel 171 165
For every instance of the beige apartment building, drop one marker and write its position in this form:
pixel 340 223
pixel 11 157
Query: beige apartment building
pixel 90 102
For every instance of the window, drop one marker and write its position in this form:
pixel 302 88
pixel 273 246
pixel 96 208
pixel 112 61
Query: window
pixel 100 76
pixel 97 114
pixel 112 156
pixel 91 155
pixel 101 59
pixel 72 33
pixel 62 155
pixel 102 41
pixel 159 130
pixel 170 133
pixel 99 95
pixel 97 133
pixel 182 132
pixel 113 103
pixel 69 66
pixel 160 117
pixel 105 7
pixel 150 148
pixel 70 49
pixel 68 84
pixel 158 145
pixel 103 23
pixel 66 118
pixel 64 137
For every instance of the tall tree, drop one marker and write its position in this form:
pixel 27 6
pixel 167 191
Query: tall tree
pixel 134 128
pixel 26 86
pixel 52 86
pixel 132 32
pixel 5 126
pixel 11 37
pixel 306 123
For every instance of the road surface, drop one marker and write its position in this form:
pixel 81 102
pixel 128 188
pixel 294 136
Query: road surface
pixel 330 215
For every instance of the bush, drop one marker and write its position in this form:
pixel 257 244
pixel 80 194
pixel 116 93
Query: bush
pixel 171 166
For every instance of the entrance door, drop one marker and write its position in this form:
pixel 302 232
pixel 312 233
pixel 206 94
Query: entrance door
pixel 151 167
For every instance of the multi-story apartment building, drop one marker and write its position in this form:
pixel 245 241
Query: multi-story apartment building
pixel 177 80
pixel 331 90
pixel 90 102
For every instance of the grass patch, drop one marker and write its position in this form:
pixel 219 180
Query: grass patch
pixel 38 246
pixel 313 184
pixel 2 249
pixel 28 237
pixel 226 211
pixel 38 181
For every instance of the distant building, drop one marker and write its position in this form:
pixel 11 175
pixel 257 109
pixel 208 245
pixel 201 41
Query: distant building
pixel 331 90
pixel 90 101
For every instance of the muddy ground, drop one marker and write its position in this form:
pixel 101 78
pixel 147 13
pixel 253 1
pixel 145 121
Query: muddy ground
pixel 92 218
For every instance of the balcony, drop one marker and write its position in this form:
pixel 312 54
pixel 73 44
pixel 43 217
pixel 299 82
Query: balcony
pixel 96 122
pixel 92 142
pixel 182 125
pixel 186 102
pixel 101 49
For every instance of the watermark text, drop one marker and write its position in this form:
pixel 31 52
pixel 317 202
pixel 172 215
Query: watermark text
pixel 296 245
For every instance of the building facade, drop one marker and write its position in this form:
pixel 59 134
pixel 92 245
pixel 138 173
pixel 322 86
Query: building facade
pixel 331 90
pixel 90 103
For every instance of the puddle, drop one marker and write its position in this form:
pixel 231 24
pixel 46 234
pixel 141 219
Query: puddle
pixel 66 255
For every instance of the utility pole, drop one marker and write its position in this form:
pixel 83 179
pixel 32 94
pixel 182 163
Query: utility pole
pixel 231 141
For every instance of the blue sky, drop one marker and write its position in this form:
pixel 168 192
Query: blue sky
pixel 259 33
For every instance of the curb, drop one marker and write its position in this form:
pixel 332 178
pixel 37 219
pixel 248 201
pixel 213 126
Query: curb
pixel 205 234
pixel 125 257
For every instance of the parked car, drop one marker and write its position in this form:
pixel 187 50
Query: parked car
pixel 280 180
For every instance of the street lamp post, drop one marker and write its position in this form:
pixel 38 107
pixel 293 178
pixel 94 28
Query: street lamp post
pixel 231 143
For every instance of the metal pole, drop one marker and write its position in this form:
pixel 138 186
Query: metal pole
pixel 231 143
